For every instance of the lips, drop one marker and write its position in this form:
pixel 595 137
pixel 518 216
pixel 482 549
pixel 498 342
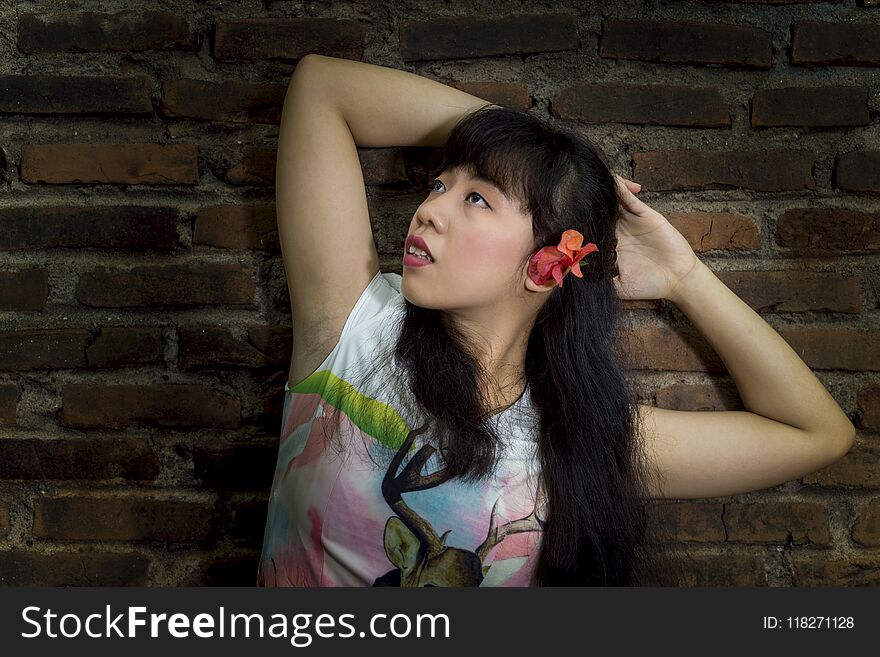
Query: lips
pixel 419 243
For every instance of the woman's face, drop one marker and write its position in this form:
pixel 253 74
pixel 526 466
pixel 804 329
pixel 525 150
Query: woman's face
pixel 478 238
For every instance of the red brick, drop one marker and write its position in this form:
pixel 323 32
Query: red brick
pixel 245 227
pixel 254 166
pixel 4 520
pixel 842 43
pixel 858 171
pixel 88 31
pixel 691 521
pixel 688 397
pixel 273 341
pixel 819 570
pixel 21 568
pixel 859 469
pixel 833 348
pixel 763 171
pixel 663 348
pixel 24 290
pixel 93 518
pixel 118 346
pixel 812 107
pixel 642 105
pixel 212 346
pixel 288 38
pixel 237 102
pixel 816 231
pixel 382 166
pixel 773 2
pixel 687 43
pixel 708 231
pixel 507 94
pixel 75 348
pixel 164 405
pixel 777 522
pixel 794 291
pixel 72 94
pixel 724 569
pixel 52 348
pixel 94 458
pixel 130 164
pixel 456 37
pixel 9 396
pixel 868 401
pixel 866 528
pixel 167 285
pixel 108 227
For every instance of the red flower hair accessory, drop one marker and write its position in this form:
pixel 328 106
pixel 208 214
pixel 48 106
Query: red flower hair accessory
pixel 557 261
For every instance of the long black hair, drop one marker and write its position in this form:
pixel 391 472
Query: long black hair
pixel 599 528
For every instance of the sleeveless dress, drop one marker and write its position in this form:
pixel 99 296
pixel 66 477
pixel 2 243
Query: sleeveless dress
pixel 380 512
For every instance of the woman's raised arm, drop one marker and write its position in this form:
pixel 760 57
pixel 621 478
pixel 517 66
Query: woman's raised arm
pixel 389 107
pixel 333 106
pixel 792 426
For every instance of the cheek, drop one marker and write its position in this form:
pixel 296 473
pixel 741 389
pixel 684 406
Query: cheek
pixel 487 256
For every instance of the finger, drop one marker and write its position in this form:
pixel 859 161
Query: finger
pixel 631 202
pixel 624 193
pixel 630 185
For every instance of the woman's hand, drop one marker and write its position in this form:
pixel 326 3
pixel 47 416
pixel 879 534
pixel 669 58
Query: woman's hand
pixel 652 256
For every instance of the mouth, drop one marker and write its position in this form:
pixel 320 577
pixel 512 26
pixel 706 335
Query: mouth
pixel 417 247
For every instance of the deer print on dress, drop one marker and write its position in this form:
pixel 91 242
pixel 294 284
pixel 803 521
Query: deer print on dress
pixel 421 557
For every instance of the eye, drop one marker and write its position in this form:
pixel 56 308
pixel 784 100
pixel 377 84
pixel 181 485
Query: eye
pixel 433 188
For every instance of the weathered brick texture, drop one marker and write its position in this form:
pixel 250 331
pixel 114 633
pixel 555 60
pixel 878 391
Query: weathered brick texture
pixel 820 107
pixel 654 104
pixel 288 38
pixel 762 171
pixel 686 42
pixel 131 164
pixel 119 406
pixel 836 43
pixel 146 332
pixel 122 519
pixel 470 36
pixel 90 31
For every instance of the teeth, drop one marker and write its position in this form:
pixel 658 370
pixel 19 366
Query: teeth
pixel 420 253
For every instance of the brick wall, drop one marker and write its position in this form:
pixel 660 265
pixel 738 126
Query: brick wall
pixel 145 332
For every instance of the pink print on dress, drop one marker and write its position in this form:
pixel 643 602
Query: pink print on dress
pixel 295 564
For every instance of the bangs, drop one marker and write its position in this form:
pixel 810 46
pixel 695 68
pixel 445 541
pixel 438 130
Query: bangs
pixel 509 149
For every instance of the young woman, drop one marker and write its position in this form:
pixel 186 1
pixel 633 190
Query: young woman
pixel 469 423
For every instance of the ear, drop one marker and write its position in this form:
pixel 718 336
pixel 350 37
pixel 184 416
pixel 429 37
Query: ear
pixel 534 287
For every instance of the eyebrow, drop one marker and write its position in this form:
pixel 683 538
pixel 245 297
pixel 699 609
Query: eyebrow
pixel 485 181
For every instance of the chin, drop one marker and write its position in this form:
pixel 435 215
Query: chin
pixel 413 296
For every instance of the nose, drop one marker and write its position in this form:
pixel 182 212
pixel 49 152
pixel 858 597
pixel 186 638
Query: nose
pixel 429 215
pixel 432 210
